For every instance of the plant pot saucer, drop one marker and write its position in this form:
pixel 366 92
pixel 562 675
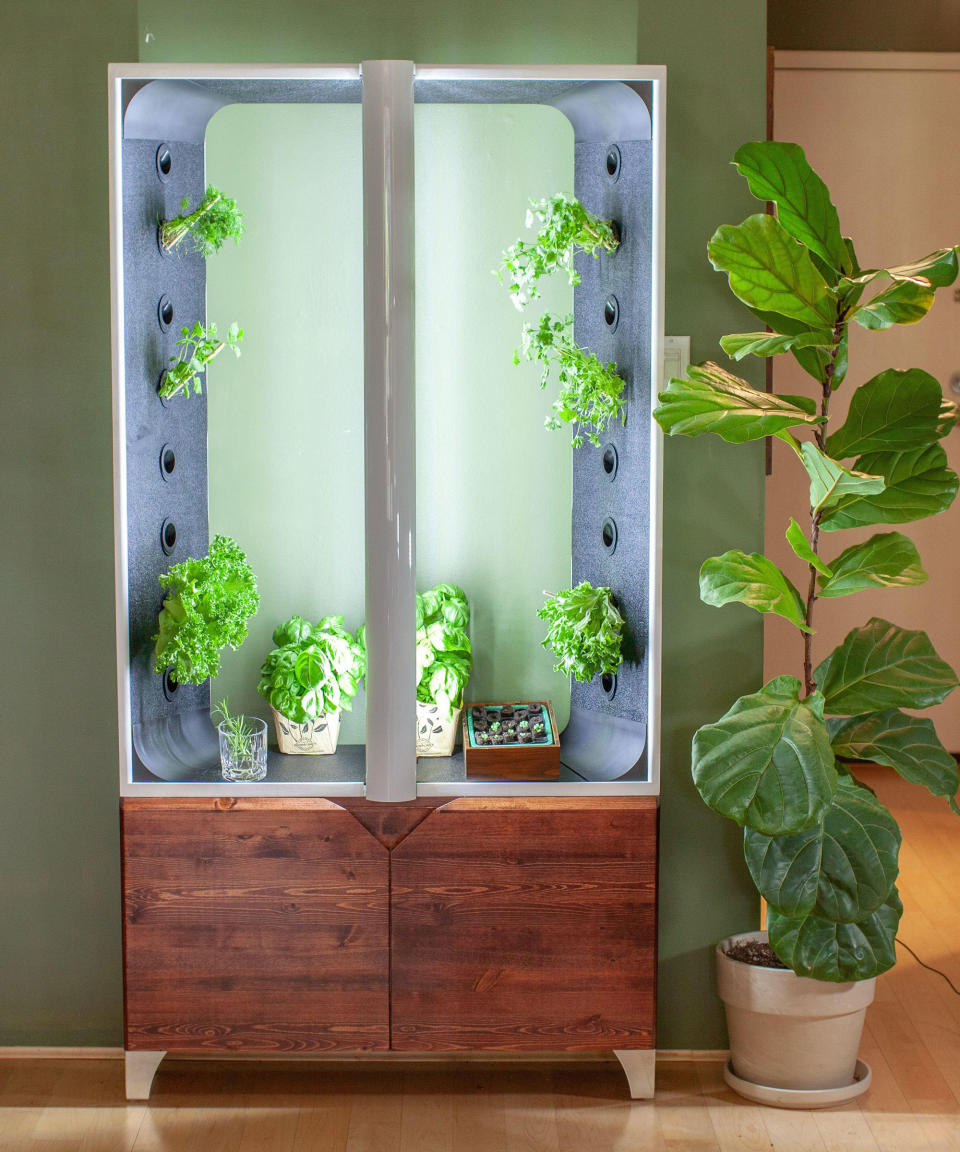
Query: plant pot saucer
pixel 800 1097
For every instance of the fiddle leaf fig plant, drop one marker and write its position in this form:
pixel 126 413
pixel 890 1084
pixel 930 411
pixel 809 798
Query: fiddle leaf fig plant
pixel 584 630
pixel 821 848
pixel 200 345
pixel 215 220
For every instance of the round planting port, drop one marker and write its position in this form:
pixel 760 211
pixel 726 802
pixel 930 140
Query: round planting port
pixel 168 536
pixel 610 460
pixel 614 160
pixel 169 684
pixel 168 461
pixel 611 312
pixel 608 682
pixel 165 312
pixel 164 162
pixel 608 534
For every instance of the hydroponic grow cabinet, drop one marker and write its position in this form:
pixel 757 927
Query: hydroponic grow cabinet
pixel 191 984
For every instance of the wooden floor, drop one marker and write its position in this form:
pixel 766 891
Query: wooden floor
pixel 912 1042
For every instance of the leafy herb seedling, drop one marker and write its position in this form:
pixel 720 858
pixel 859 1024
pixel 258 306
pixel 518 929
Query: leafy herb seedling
pixel 200 345
pixel 566 228
pixel 237 731
pixel 590 391
pixel 214 221
pixel 821 848
pixel 206 609
pixel 585 631
pixel 444 661
pixel 314 669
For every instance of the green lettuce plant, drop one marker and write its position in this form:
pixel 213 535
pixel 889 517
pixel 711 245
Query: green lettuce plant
pixel 590 391
pixel 206 609
pixel 314 669
pixel 215 220
pixel 819 845
pixel 199 346
pixel 444 659
pixel 585 631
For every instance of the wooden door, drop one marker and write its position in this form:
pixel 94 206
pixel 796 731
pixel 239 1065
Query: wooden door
pixel 256 925
pixel 526 924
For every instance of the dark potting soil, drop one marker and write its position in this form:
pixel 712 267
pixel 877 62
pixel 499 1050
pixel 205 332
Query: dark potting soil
pixel 508 724
pixel 756 952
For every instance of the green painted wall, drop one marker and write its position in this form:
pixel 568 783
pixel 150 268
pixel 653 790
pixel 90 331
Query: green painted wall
pixel 60 918
pixel 58 848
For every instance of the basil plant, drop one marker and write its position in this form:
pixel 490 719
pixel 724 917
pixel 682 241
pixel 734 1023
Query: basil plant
pixel 314 669
pixel 444 659
pixel 820 846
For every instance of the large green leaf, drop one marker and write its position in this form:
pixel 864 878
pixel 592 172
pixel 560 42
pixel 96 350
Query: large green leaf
pixel 842 868
pixel 938 270
pixel 902 303
pixel 917 482
pixel 887 560
pixel 815 946
pixel 908 744
pixel 769 270
pixel 892 412
pixel 779 172
pixel 831 483
pixel 882 666
pixel 753 580
pixel 742 344
pixel 798 542
pixel 712 400
pixel 768 762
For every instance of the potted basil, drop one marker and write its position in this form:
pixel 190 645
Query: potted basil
pixel 820 847
pixel 444 663
pixel 308 679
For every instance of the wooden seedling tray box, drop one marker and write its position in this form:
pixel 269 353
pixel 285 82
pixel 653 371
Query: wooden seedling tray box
pixel 511 761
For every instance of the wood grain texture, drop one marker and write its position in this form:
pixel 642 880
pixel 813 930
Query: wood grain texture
pixel 390 823
pixel 254 928
pixel 511 761
pixel 529 927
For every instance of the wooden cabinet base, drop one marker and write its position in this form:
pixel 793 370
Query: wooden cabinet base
pixel 300 926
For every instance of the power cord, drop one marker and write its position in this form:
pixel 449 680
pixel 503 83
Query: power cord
pixel 928 967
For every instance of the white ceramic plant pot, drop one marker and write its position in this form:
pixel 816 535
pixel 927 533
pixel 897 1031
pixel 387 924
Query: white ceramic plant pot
pixel 315 738
pixel 436 734
pixel 792 1038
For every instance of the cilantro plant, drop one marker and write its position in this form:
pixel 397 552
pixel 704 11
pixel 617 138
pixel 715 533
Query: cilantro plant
pixel 444 660
pixel 590 391
pixel 584 630
pixel 207 605
pixel 215 220
pixel 566 228
pixel 314 669
pixel 200 345
pixel 820 846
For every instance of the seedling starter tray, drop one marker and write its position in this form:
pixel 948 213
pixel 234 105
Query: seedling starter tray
pixel 512 759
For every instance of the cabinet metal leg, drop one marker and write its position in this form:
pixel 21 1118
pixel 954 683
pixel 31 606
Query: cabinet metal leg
pixel 640 1066
pixel 140 1069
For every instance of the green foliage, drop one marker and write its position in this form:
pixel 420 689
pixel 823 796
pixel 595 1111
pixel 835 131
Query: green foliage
pixel 206 609
pixel 237 730
pixel 444 660
pixel 590 392
pixel 820 847
pixel 314 668
pixel 214 220
pixel 200 345
pixel 584 630
pixel 566 228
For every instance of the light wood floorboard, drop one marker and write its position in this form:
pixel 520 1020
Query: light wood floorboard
pixel 912 1042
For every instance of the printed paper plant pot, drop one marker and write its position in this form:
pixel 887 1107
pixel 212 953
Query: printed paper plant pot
pixel 436 734
pixel 315 738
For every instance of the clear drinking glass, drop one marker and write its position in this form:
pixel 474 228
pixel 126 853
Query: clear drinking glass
pixel 243 748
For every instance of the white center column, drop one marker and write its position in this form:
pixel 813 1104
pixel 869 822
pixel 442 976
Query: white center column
pixel 390 428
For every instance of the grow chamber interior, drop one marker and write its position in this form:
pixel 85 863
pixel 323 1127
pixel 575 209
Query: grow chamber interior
pixel 286 452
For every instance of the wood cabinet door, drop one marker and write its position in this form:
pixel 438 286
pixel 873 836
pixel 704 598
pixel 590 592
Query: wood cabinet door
pixel 526 924
pixel 258 925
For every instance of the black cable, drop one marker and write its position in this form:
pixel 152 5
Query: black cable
pixel 928 967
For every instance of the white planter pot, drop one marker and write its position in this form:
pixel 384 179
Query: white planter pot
pixel 436 734
pixel 315 738
pixel 790 1035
